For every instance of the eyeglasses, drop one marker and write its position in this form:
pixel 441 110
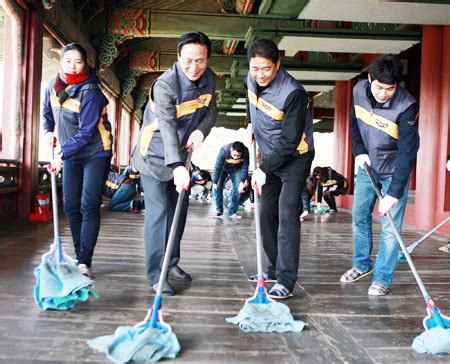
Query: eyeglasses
pixel 189 62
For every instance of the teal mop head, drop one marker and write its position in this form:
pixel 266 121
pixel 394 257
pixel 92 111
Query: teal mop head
pixel 262 314
pixel 401 258
pixel 433 341
pixel 436 338
pixel 141 342
pixel 60 286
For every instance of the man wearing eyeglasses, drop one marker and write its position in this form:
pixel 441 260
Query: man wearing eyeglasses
pixel 232 161
pixel 181 112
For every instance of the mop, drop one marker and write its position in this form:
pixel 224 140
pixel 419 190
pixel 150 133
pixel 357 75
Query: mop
pixel 436 338
pixel 59 282
pixel 410 248
pixel 152 339
pixel 260 312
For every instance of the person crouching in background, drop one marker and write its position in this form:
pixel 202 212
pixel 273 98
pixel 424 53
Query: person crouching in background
pixel 122 188
pixel 330 184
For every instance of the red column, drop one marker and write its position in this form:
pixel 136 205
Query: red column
pixel 428 163
pixel 32 74
pixel 342 149
pixel 443 175
pixel 130 140
pixel 115 159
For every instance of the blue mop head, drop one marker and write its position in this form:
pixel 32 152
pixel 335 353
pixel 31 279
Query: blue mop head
pixel 60 286
pixel 266 317
pixel 137 343
pixel 433 341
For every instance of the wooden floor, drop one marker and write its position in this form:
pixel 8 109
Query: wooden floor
pixel 344 323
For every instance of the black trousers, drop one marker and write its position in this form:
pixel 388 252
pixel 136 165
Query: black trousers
pixel 280 225
pixel 328 196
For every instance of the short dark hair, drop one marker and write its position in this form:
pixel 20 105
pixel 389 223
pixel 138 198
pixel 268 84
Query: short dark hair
pixel 75 47
pixel 263 48
pixel 386 69
pixel 238 147
pixel 196 38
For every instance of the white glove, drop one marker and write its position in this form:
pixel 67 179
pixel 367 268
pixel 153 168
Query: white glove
pixel 360 159
pixel 448 165
pixel 214 186
pixel 258 179
pixel 387 203
pixel 303 215
pixel 241 187
pixel 50 138
pixel 333 188
pixel 181 178
pixel 250 135
pixel 195 139
pixel 56 165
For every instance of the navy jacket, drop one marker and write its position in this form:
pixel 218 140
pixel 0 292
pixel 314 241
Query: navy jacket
pixel 226 163
pixel 281 120
pixel 84 131
pixel 386 132
pixel 176 108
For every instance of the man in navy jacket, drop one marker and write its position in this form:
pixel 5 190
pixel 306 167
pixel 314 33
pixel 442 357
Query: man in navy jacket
pixel 232 160
pixel 383 124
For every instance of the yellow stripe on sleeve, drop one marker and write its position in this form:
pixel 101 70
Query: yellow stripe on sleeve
pixel 104 134
pixel 147 135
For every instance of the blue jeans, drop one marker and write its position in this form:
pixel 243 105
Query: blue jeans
pixel 160 203
pixel 363 204
pixel 82 195
pixel 121 200
pixel 234 198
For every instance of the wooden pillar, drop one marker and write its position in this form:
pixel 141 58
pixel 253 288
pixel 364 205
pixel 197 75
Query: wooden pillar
pixel 119 106
pixel 443 175
pixel 428 162
pixel 130 139
pixel 32 74
pixel 342 147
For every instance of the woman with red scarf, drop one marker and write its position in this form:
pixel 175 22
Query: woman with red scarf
pixel 75 106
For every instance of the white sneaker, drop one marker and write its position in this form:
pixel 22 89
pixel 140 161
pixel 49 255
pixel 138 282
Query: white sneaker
pixel 85 270
pixel 235 216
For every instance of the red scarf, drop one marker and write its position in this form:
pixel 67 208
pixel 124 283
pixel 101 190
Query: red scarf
pixel 73 78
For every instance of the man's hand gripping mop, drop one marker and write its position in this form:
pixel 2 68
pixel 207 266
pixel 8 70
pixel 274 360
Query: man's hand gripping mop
pixel 261 313
pixel 152 339
pixel 436 338
pixel 59 282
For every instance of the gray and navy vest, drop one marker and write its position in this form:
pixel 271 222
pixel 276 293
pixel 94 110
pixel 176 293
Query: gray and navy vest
pixel 378 126
pixel 191 101
pixel 267 113
pixel 70 110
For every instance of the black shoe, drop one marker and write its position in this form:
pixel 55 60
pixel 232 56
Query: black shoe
pixel 167 290
pixel 136 206
pixel 179 274
pixel 219 213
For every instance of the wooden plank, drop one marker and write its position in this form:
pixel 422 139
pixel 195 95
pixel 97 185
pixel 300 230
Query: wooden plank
pixel 344 323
